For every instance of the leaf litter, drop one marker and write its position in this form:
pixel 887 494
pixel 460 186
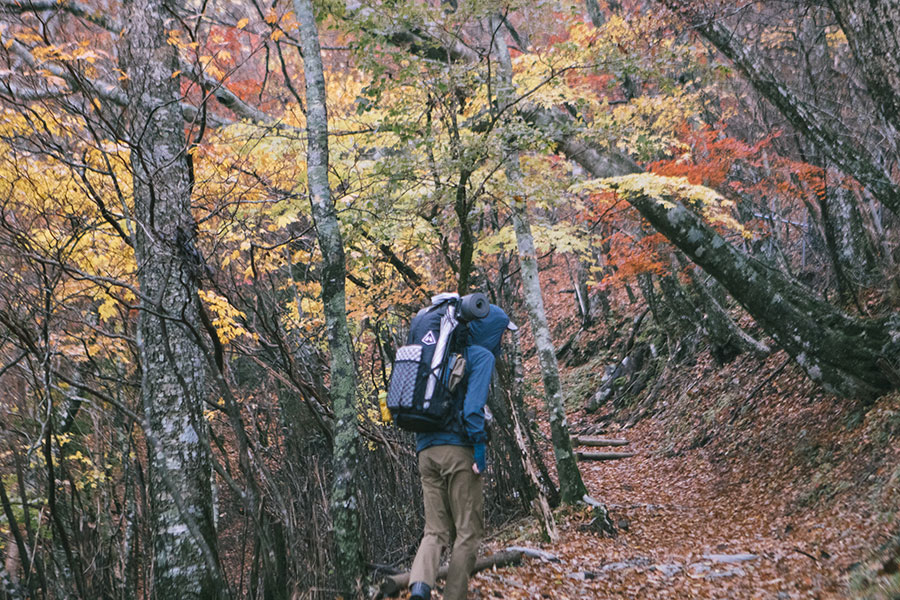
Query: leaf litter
pixel 781 496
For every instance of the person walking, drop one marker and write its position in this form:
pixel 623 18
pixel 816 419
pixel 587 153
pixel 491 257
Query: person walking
pixel 451 464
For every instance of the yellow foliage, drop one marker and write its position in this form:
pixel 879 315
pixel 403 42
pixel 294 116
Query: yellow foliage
pixel 107 310
pixel 225 316
pixel 714 208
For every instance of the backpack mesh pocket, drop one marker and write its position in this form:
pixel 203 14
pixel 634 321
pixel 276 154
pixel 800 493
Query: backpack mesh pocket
pixel 404 377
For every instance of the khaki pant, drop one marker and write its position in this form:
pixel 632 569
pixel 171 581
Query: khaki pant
pixel 454 508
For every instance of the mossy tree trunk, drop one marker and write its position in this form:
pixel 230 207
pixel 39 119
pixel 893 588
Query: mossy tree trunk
pixel 174 378
pixel 344 501
pixel 571 485
pixel 848 356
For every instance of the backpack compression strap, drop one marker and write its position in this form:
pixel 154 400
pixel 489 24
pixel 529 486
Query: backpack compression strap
pixel 448 324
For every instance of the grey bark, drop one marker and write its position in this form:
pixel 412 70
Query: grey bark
pixel 847 356
pixel 344 501
pixel 648 290
pixel 16 550
pixel 594 13
pixel 579 277
pixel 853 160
pixel 571 485
pixel 849 248
pixel 512 441
pixel 598 442
pixel 873 30
pixel 466 239
pixel 846 235
pixel 681 314
pixel 720 326
pixel 173 384
pixel 691 308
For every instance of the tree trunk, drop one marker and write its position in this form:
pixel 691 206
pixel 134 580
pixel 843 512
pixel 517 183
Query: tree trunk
pixel 648 290
pixel 344 503
pixel 848 247
pixel 846 234
pixel 173 385
pixel 578 275
pixel 726 337
pixel 852 159
pixel 571 486
pixel 847 356
pixel 512 446
pixel 594 13
pixel 872 30
pixel 466 239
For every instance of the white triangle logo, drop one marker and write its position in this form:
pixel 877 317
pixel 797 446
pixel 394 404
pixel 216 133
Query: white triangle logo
pixel 429 340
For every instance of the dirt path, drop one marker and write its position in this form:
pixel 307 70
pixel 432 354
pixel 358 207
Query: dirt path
pixel 693 530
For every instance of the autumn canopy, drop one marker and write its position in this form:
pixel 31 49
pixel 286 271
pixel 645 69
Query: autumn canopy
pixel 217 219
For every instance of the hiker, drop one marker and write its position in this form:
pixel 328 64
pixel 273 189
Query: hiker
pixel 451 463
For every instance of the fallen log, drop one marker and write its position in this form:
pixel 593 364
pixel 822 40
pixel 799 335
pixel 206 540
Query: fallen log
pixel 603 455
pixel 394 584
pixel 533 553
pixel 583 440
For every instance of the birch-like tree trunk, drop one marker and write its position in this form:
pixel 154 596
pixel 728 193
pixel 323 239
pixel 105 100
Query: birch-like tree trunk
pixel 344 502
pixel 174 381
pixel 571 486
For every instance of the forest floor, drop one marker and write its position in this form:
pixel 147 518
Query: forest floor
pixel 784 495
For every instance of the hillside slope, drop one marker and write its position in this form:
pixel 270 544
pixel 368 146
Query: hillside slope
pixel 749 482
pixel 795 479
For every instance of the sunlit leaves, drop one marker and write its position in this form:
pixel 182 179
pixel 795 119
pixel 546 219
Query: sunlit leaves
pixel 668 190
pixel 225 317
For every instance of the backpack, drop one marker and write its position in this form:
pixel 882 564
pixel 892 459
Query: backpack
pixel 422 394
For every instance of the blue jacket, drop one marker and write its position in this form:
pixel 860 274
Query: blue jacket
pixel 482 350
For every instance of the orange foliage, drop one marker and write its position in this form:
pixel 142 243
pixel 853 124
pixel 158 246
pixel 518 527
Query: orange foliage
pixel 596 82
pixel 632 257
pixel 707 156
pixel 712 155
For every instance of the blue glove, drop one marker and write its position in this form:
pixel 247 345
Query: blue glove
pixel 480 461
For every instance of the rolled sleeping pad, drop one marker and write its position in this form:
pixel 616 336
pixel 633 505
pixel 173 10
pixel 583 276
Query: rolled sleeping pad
pixel 474 306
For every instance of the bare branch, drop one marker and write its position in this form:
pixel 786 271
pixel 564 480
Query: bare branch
pixel 88 13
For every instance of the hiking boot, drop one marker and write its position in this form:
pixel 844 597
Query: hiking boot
pixel 419 591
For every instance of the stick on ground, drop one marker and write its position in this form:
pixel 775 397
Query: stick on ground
pixel 393 584
pixel 583 440
pixel 603 455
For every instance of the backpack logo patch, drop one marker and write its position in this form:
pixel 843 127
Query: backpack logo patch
pixel 429 339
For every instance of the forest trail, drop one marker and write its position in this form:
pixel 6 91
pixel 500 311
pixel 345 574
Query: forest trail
pixel 687 527
pixel 692 524
pixel 748 482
